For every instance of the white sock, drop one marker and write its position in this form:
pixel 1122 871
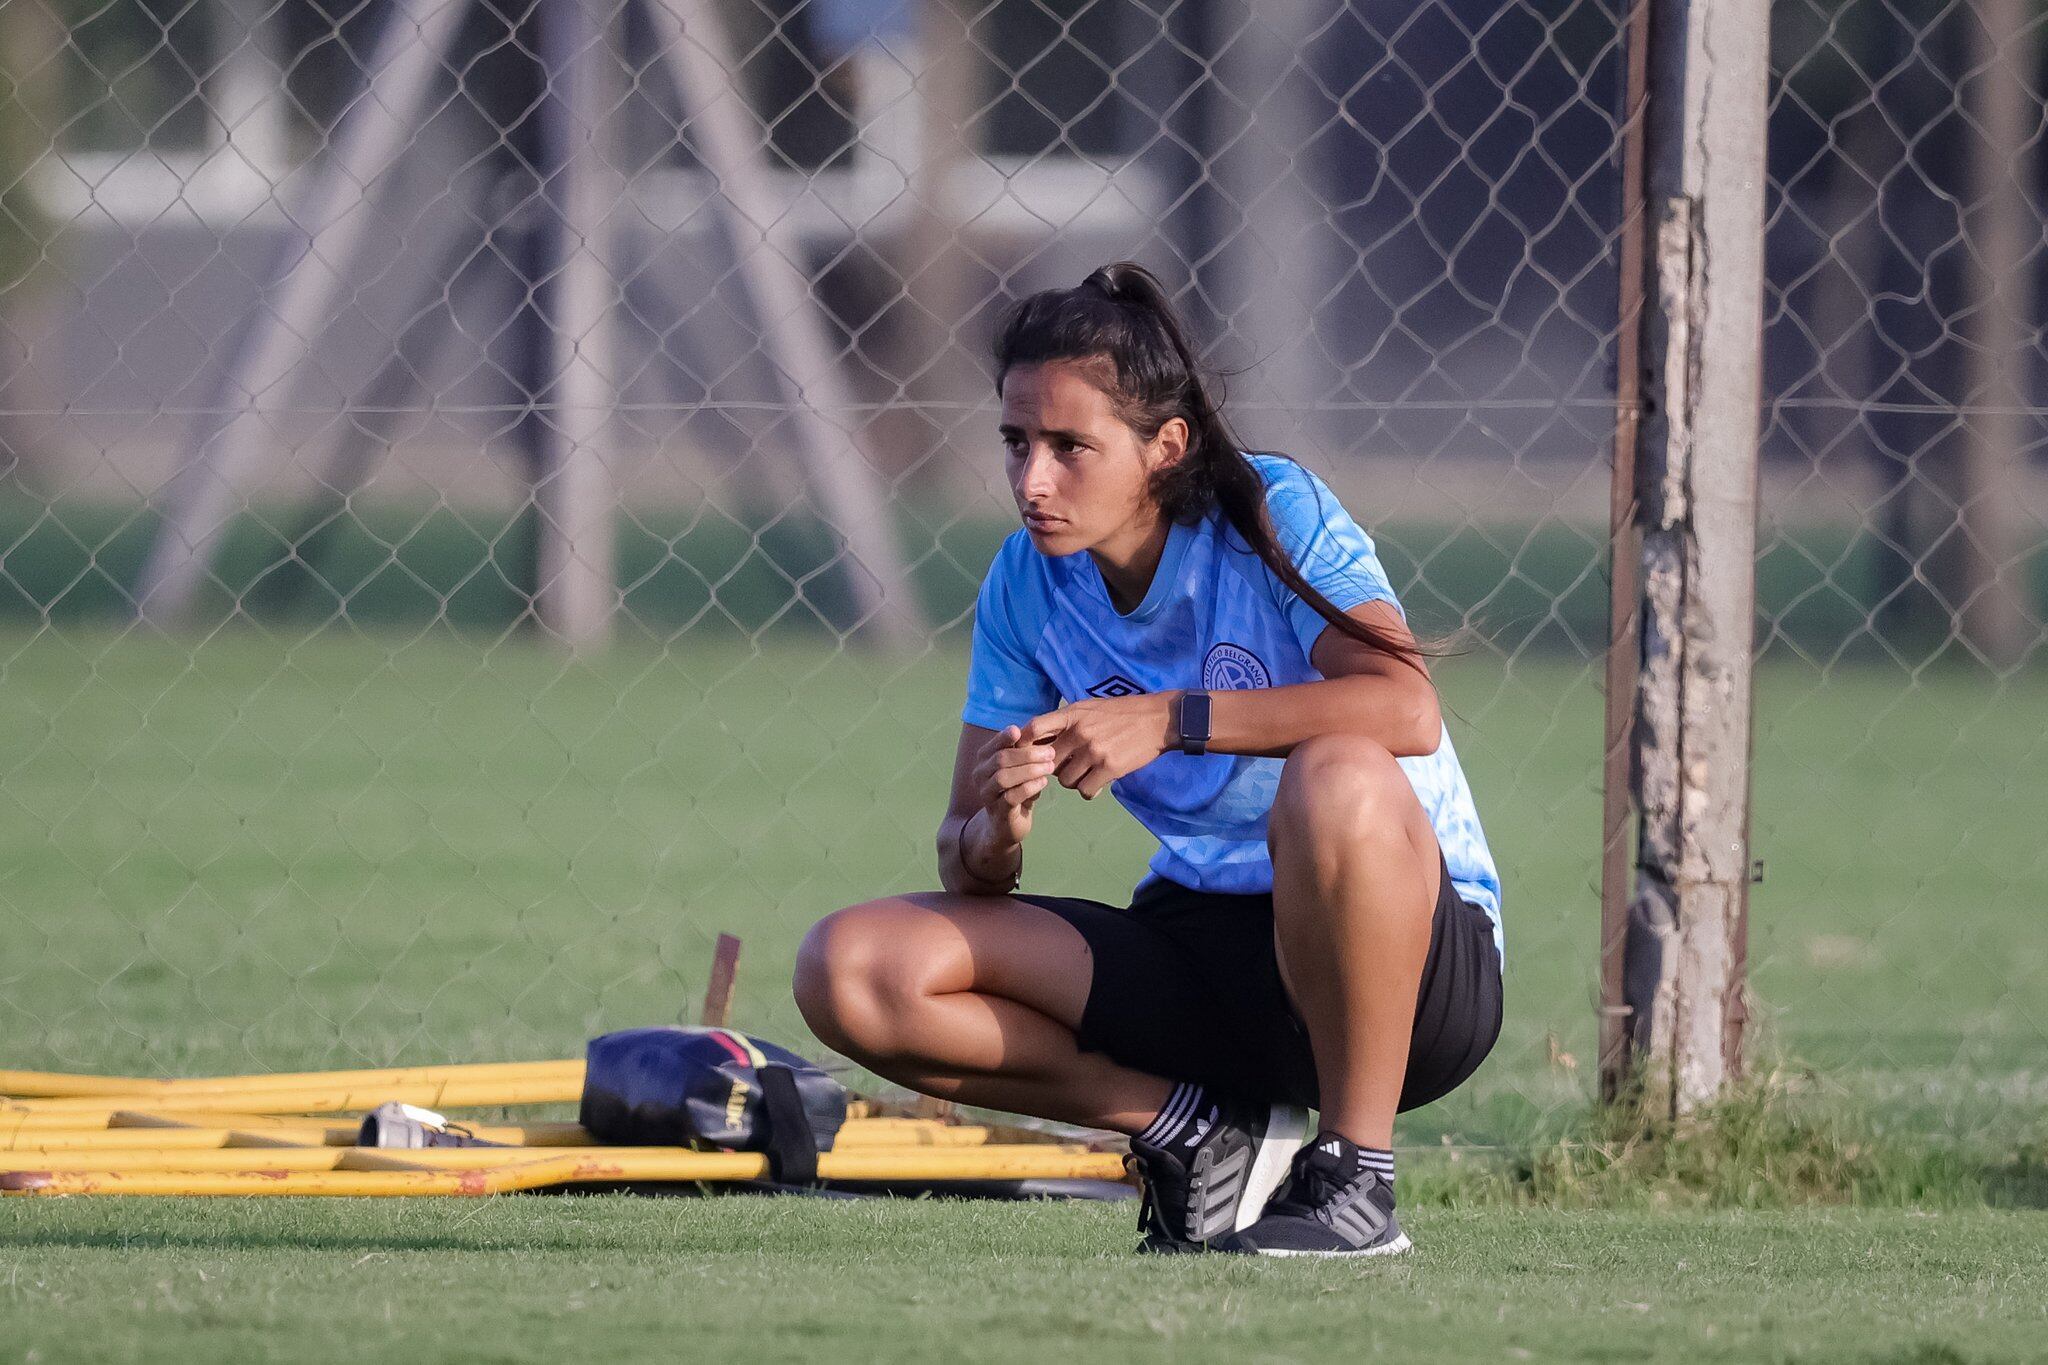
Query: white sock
pixel 1177 1113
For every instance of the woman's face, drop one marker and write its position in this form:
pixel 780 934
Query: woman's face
pixel 1080 475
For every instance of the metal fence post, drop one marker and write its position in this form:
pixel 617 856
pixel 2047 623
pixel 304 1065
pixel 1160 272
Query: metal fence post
pixel 1624 579
pixel 1695 501
pixel 1979 565
pixel 575 488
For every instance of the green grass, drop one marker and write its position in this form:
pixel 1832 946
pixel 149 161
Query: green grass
pixel 265 852
pixel 1760 1146
pixel 542 1279
pixel 271 851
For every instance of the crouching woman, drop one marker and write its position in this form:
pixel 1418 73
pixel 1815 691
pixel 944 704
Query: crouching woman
pixel 1208 635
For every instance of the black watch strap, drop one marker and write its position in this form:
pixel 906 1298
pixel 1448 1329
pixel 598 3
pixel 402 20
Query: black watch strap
pixel 1193 722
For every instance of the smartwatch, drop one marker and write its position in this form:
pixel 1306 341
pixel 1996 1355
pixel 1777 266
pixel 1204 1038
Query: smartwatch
pixel 1193 722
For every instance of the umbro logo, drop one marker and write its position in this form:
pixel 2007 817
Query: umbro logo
pixel 1115 685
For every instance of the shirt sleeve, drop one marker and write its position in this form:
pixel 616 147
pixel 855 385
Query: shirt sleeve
pixel 1333 553
pixel 1005 685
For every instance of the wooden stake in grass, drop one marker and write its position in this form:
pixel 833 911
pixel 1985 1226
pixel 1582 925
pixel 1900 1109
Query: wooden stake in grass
pixel 725 967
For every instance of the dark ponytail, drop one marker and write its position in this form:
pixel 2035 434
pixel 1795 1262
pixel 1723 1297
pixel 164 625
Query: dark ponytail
pixel 1120 320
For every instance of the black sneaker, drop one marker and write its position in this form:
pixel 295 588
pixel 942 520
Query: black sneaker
pixel 1327 1208
pixel 1218 1177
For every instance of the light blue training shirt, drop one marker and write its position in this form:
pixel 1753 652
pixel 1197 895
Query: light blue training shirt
pixel 1215 617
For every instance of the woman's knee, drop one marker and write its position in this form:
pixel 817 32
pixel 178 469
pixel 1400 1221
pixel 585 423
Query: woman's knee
pixel 1347 786
pixel 858 973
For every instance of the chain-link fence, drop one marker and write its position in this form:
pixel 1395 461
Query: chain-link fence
pixel 1899 765
pixel 357 360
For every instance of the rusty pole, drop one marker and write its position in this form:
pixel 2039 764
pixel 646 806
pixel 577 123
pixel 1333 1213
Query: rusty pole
pixel 1685 946
pixel 1624 639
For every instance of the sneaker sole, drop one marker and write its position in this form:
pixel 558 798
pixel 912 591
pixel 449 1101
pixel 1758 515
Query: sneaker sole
pixel 1396 1247
pixel 1286 1130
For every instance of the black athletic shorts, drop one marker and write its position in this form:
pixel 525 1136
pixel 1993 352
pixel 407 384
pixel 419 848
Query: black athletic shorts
pixel 1187 986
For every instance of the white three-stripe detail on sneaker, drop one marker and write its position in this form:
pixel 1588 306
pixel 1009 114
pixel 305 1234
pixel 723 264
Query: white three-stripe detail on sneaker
pixel 1359 1223
pixel 1223 1184
pixel 1331 1147
pixel 1350 1224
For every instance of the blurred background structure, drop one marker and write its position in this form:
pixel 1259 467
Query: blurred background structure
pixel 351 351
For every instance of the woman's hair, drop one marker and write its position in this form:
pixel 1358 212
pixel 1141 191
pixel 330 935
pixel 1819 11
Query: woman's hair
pixel 1120 323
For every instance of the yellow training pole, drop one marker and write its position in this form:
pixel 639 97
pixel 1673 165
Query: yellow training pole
pixel 138 1157
pixel 310 1134
pixel 70 1085
pixel 531 1134
pixel 180 1139
pixel 678 1163
pixel 169 1111
pixel 659 1162
pixel 370 1184
pixel 282 1124
pixel 1034 1161
pixel 15 1121
pixel 30 1129
pixel 311 1127
pixel 341 1133
pixel 452 1093
pixel 42 1084
pixel 856 1133
pixel 603 1165
pixel 865 1133
pixel 554 1170
pixel 249 1160
pixel 861 1134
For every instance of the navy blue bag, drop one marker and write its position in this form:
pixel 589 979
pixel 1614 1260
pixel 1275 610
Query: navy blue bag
pixel 672 1086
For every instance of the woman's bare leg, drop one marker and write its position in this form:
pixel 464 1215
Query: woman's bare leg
pixel 1355 872
pixel 969 998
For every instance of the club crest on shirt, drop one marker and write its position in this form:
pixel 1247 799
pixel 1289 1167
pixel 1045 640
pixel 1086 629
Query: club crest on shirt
pixel 1115 685
pixel 1233 668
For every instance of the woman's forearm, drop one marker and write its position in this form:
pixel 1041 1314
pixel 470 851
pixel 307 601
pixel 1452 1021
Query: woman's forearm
pixel 1397 709
pixel 973 861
